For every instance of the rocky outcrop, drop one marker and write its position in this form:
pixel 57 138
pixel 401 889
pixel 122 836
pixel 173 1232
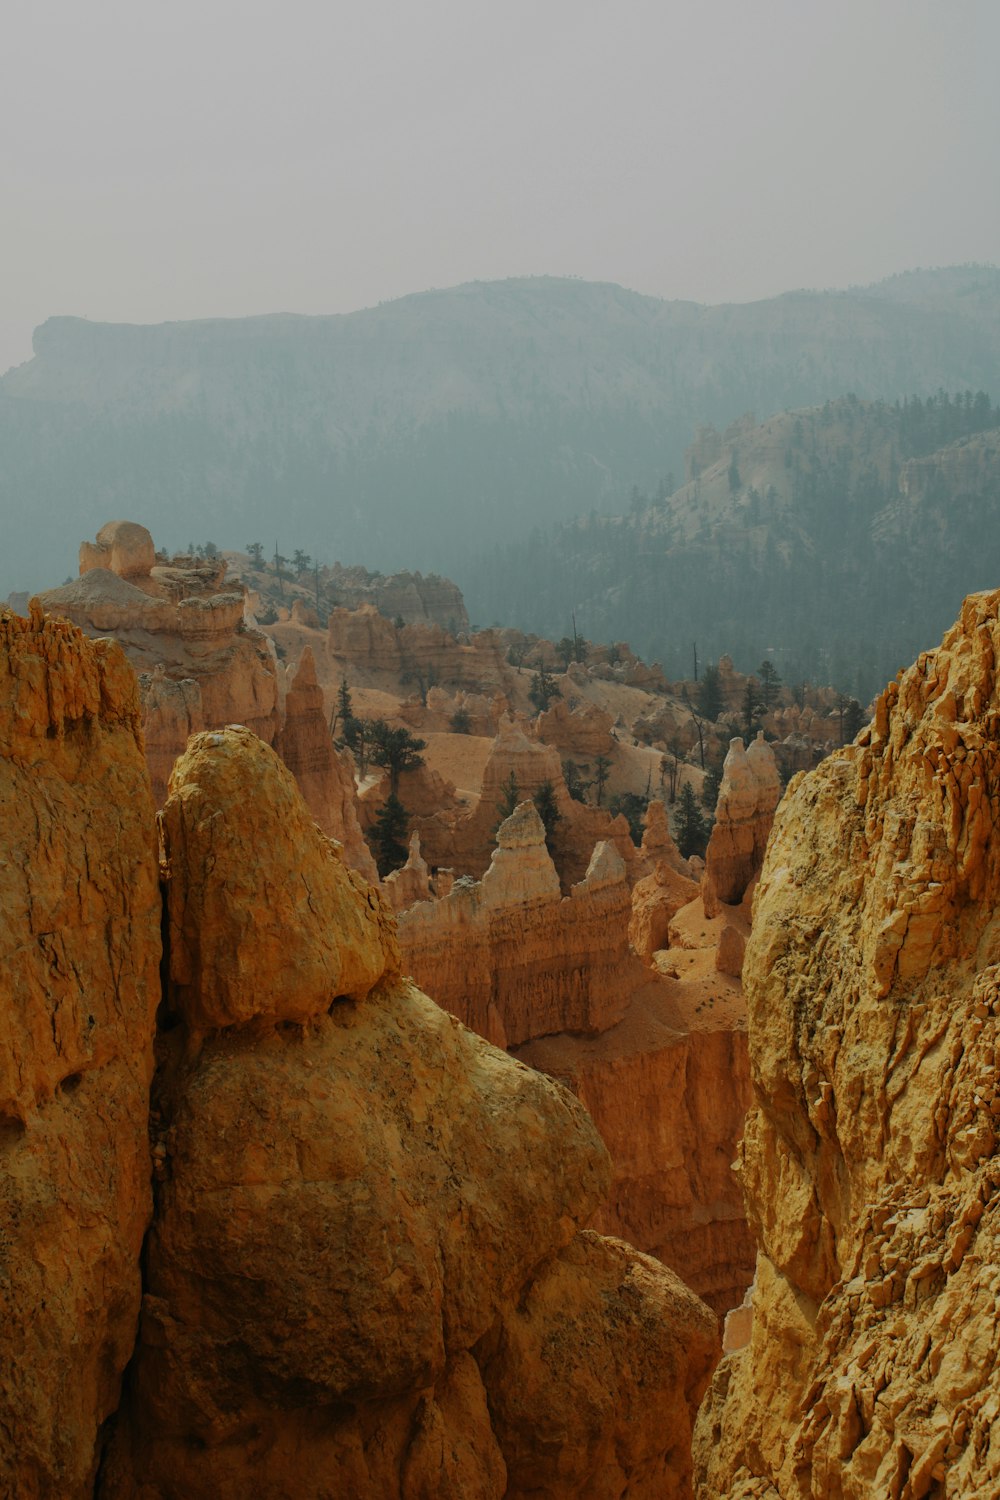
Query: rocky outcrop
pixel 656 900
pixel 201 665
pixel 367 1240
pixel 373 651
pixel 79 986
pixel 411 882
pixel 514 959
pixel 748 794
pixel 583 732
pixel 871 1152
pixel 407 596
pixel 324 774
pixel 465 843
pixel 662 1070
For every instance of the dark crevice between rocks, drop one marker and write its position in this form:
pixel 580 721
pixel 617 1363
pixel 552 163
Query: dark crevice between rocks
pixel 166 1021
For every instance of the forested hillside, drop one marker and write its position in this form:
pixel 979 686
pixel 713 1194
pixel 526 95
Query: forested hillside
pixel 836 541
pixel 428 432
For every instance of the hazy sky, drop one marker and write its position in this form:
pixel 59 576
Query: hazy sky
pixel 228 157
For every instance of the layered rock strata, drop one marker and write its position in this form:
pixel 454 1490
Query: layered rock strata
pixel 411 597
pixel 870 1158
pixel 79 986
pixel 201 664
pixel 659 1059
pixel 374 652
pixel 512 957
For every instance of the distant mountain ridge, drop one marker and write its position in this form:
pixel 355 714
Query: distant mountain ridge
pixel 835 540
pixel 425 431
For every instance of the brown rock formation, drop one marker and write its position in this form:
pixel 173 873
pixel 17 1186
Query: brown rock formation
pixel 321 933
pixel 201 666
pixel 324 774
pixel 366 1243
pixel 465 843
pixel 659 1061
pixel 748 795
pixel 123 548
pixel 583 732
pixel 871 1152
pixel 411 882
pixel 408 596
pixel 514 959
pixel 79 986
pixel 656 900
pixel 658 843
pixel 369 648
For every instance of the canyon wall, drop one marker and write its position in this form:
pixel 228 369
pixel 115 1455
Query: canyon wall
pixel 870 1158
pixel 79 987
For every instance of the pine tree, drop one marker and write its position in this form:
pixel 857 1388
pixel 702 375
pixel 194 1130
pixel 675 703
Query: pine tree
pixel 543 689
pixel 509 797
pixel 710 694
pixel 770 682
pixel 388 835
pixel 602 765
pixel 690 829
pixel 547 808
pixel 710 788
pixel 396 750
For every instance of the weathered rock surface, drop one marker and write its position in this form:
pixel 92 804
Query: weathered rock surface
pixel 554 977
pixel 79 986
pixel 284 946
pixel 411 882
pixel 583 732
pixel 514 959
pixel 411 597
pixel 325 775
pixel 656 900
pixel 367 1243
pixel 748 794
pixel 590 1435
pixel 465 843
pixel 871 1152
pixel 369 648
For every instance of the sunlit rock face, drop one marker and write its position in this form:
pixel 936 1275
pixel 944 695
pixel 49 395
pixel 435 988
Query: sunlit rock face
pixel 79 987
pixel 871 1152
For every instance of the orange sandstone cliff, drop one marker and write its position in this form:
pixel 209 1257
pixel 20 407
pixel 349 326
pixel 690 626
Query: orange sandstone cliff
pixel 79 987
pixel 367 1272
pixel 870 1159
